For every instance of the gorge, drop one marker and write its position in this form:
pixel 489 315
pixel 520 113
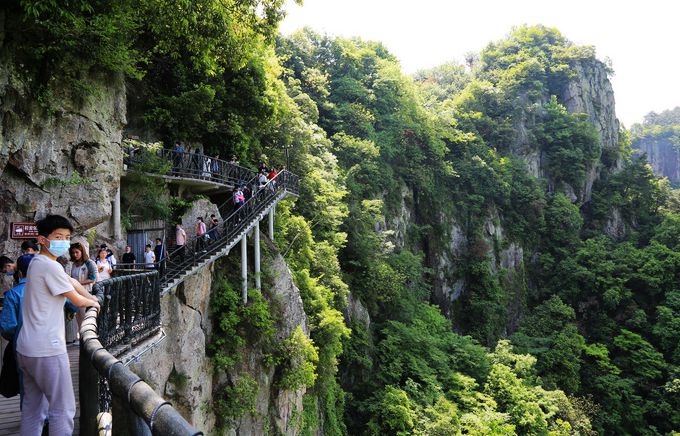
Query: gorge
pixel 474 249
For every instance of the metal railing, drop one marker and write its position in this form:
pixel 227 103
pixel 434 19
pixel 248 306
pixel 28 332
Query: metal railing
pixel 106 384
pixel 186 165
pixel 132 308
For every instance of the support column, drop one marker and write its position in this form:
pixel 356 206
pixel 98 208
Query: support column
pixel 271 222
pixel 117 234
pixel 244 268
pixel 256 235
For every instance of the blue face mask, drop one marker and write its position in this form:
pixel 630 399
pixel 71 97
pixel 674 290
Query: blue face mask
pixel 9 273
pixel 58 247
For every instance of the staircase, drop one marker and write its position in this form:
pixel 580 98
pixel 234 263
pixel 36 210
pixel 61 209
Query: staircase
pixel 201 252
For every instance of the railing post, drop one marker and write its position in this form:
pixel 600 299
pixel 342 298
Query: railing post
pixel 256 235
pixel 125 421
pixel 88 395
pixel 244 268
pixel 271 222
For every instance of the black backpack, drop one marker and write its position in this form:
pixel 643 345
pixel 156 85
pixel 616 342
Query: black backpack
pixel 9 377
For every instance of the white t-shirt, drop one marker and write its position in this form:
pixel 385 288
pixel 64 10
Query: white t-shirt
pixel 42 334
pixel 149 257
pixel 103 274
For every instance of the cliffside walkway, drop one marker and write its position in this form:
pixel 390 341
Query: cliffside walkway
pixel 10 414
pixel 130 324
pixel 202 173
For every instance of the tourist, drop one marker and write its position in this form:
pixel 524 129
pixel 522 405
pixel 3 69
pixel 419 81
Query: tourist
pixel 263 168
pixel 110 257
pixel 272 178
pixel 216 166
pixel 159 252
pixel 149 257
pixel 104 268
pixel 213 226
pixel 41 342
pixel 177 155
pixel 7 266
pixel 207 165
pixel 129 257
pixel 180 240
pixel 30 247
pixel 11 319
pixel 83 270
pixel 200 232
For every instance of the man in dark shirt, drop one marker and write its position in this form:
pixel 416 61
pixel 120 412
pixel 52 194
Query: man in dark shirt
pixel 129 256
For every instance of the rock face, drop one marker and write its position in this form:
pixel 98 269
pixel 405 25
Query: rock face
pixel 661 155
pixel 590 92
pixel 65 159
pixel 180 370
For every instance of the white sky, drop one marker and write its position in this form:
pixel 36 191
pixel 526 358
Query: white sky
pixel 641 38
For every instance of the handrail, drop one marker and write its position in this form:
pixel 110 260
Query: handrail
pixel 187 165
pixel 116 380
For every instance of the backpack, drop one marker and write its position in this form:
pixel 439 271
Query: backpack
pixel 9 377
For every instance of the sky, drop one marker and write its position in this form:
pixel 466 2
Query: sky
pixel 641 38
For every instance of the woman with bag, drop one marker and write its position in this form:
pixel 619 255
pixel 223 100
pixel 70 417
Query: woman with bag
pixel 104 268
pixel 83 270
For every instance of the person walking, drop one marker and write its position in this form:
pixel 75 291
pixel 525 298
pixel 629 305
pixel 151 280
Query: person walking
pixel 180 240
pixel 201 234
pixel 83 270
pixel 129 257
pixel 104 267
pixel 149 257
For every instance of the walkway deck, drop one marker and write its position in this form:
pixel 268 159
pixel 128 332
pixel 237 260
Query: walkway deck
pixel 9 407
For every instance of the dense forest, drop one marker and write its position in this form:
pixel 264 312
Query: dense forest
pixel 581 338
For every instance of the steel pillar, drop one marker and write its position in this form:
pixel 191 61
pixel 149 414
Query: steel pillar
pixel 271 222
pixel 244 268
pixel 256 235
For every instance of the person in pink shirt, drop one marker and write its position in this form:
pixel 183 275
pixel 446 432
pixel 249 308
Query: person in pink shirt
pixel 180 240
pixel 201 232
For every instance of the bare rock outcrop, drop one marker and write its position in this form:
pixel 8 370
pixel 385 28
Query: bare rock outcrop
pixel 63 156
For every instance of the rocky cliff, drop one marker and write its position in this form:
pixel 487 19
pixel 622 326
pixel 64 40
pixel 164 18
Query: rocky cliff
pixel 58 156
pixel 589 92
pixel 180 369
pixel 661 155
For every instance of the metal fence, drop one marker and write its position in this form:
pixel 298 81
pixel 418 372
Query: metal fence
pixel 106 385
pixel 131 308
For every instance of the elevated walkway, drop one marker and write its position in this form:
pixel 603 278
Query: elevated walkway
pixel 203 174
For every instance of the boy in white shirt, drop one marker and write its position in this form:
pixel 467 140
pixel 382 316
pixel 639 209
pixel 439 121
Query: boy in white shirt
pixel 149 257
pixel 41 344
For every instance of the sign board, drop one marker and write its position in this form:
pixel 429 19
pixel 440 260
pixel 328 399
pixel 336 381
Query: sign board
pixel 24 231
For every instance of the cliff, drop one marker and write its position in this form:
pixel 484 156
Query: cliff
pixel 661 155
pixel 589 92
pixel 61 155
pixel 180 368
